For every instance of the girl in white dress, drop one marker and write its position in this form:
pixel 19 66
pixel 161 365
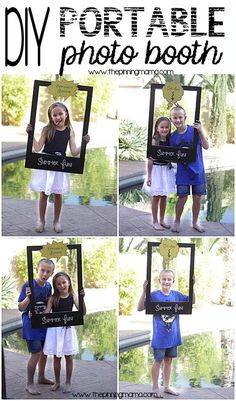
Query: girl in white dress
pixel 54 139
pixel 160 175
pixel 62 341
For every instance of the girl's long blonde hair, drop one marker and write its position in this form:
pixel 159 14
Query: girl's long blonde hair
pixel 56 294
pixel 156 135
pixel 50 129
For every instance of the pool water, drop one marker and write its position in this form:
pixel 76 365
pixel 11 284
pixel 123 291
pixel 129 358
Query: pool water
pixel 217 206
pixel 204 360
pixel 97 186
pixel 96 338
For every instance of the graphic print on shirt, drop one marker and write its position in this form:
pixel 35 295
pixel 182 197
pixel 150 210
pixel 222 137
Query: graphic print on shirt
pixel 40 304
pixel 184 143
pixel 168 320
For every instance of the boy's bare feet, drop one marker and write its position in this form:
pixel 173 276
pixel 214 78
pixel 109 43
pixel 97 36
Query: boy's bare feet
pixel 168 390
pixel 44 380
pixel 175 228
pixel 67 388
pixel 57 227
pixel 157 227
pixel 198 228
pixel 32 389
pixel 164 224
pixel 156 393
pixel 55 386
pixel 40 227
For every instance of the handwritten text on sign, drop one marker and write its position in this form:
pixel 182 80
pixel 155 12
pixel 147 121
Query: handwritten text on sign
pixel 169 308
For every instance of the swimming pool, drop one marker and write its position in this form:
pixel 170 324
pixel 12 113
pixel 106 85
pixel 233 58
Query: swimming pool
pixel 96 338
pixel 204 360
pixel 217 206
pixel 96 187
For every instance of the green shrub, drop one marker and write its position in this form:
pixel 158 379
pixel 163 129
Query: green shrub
pixel 102 92
pixel 100 266
pixel 15 99
pixel 127 292
pixel 132 141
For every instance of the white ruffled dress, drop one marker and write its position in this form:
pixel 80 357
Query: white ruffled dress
pixel 162 180
pixel 50 182
pixel 61 341
pixel 53 182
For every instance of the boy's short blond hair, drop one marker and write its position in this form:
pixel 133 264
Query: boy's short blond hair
pixel 178 108
pixel 47 262
pixel 167 271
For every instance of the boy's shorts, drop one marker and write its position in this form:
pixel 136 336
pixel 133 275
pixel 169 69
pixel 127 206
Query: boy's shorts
pixel 35 345
pixel 161 353
pixel 184 190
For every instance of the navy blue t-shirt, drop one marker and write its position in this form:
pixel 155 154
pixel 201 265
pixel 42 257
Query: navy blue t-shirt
pixel 41 295
pixel 166 329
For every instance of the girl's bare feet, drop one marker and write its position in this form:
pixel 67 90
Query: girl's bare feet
pixel 168 390
pixel 67 388
pixel 43 380
pixel 157 226
pixel 40 227
pixel 55 386
pixel 57 227
pixel 156 393
pixel 164 224
pixel 175 228
pixel 198 228
pixel 32 389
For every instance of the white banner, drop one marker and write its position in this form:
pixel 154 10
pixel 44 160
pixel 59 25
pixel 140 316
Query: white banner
pixel 69 36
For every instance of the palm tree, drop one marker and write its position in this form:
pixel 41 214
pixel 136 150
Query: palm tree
pixel 218 86
pixel 8 290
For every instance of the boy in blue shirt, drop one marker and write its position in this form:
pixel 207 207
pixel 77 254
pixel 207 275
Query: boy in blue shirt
pixel 35 337
pixel 188 174
pixel 166 330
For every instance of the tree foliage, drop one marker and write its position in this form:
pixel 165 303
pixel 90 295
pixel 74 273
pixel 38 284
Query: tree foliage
pixel 230 122
pixel 132 141
pixel 103 87
pixel 15 99
pixel 100 265
pixel 19 268
pixel 128 291
pixel 8 291
pixel 16 179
